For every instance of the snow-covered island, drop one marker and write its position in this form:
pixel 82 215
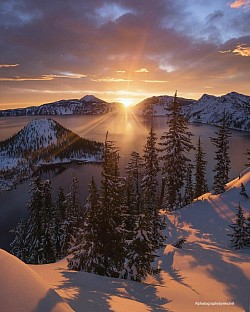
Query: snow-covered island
pixel 42 142
pixel 206 274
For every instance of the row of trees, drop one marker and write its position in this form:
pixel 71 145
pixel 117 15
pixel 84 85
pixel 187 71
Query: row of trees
pixel 46 235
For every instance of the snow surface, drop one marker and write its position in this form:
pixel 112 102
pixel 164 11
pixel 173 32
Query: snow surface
pixel 206 271
pixel 22 290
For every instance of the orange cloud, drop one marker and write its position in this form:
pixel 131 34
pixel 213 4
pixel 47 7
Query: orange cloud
pixel 111 80
pixel 8 65
pixel 239 3
pixel 242 50
pixel 142 70
pixel 155 81
pixel 44 77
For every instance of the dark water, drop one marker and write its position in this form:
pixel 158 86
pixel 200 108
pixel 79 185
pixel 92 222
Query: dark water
pixel 128 131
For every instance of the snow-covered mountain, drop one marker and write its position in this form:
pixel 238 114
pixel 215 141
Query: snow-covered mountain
pixel 205 275
pixel 42 142
pixel 159 105
pixel 88 105
pixel 210 109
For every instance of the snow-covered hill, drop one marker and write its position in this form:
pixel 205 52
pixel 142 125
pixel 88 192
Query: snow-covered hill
pixel 206 275
pixel 88 105
pixel 42 142
pixel 158 105
pixel 210 109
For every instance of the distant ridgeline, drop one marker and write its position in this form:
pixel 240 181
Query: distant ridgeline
pixel 208 109
pixel 42 142
pixel 88 105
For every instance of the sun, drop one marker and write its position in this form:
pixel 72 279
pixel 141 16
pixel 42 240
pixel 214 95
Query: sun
pixel 126 102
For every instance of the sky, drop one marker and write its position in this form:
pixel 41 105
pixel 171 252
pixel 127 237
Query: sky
pixel 122 49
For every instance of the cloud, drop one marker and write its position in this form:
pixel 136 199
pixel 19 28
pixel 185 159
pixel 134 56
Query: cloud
pixel 242 50
pixel 155 81
pixel 111 80
pixel 226 51
pixel 8 65
pixel 240 3
pixel 142 70
pixel 44 77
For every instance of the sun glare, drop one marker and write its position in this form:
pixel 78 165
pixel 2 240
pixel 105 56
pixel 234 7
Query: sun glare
pixel 126 102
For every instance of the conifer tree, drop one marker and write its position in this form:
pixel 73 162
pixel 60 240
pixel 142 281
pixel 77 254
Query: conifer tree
pixel 189 190
pixel 140 251
pixel 200 172
pixel 61 237
pixel 47 212
pixel 248 231
pixel 87 246
pixel 74 213
pixel 19 245
pixel 239 235
pixel 222 166
pixel 176 144
pixel 34 225
pixel 108 252
pixel 134 175
pixel 243 191
pixel 149 185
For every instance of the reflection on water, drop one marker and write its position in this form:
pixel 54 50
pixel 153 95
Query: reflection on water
pixel 129 132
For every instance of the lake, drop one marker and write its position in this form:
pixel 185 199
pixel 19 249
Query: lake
pixel 128 131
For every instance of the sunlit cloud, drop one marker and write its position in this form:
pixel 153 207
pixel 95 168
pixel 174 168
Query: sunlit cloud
pixel 142 70
pixel 240 3
pixel 242 50
pixel 8 65
pixel 44 77
pixel 111 80
pixel 155 81
pixel 226 51
pixel 121 71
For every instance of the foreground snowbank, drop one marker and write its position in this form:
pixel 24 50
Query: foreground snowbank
pixel 22 290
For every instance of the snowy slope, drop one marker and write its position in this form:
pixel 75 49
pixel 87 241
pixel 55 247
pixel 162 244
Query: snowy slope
pixel 159 105
pixel 42 142
pixel 206 271
pixel 22 290
pixel 210 109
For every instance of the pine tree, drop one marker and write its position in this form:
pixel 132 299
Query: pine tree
pixel 149 186
pixel 19 245
pixel 134 175
pixel 200 172
pixel 239 235
pixel 140 251
pixel 248 231
pixel 47 211
pixel 189 190
pixel 107 254
pixel 34 238
pixel 176 143
pixel 61 237
pixel 87 248
pixel 74 212
pixel 243 191
pixel 222 166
